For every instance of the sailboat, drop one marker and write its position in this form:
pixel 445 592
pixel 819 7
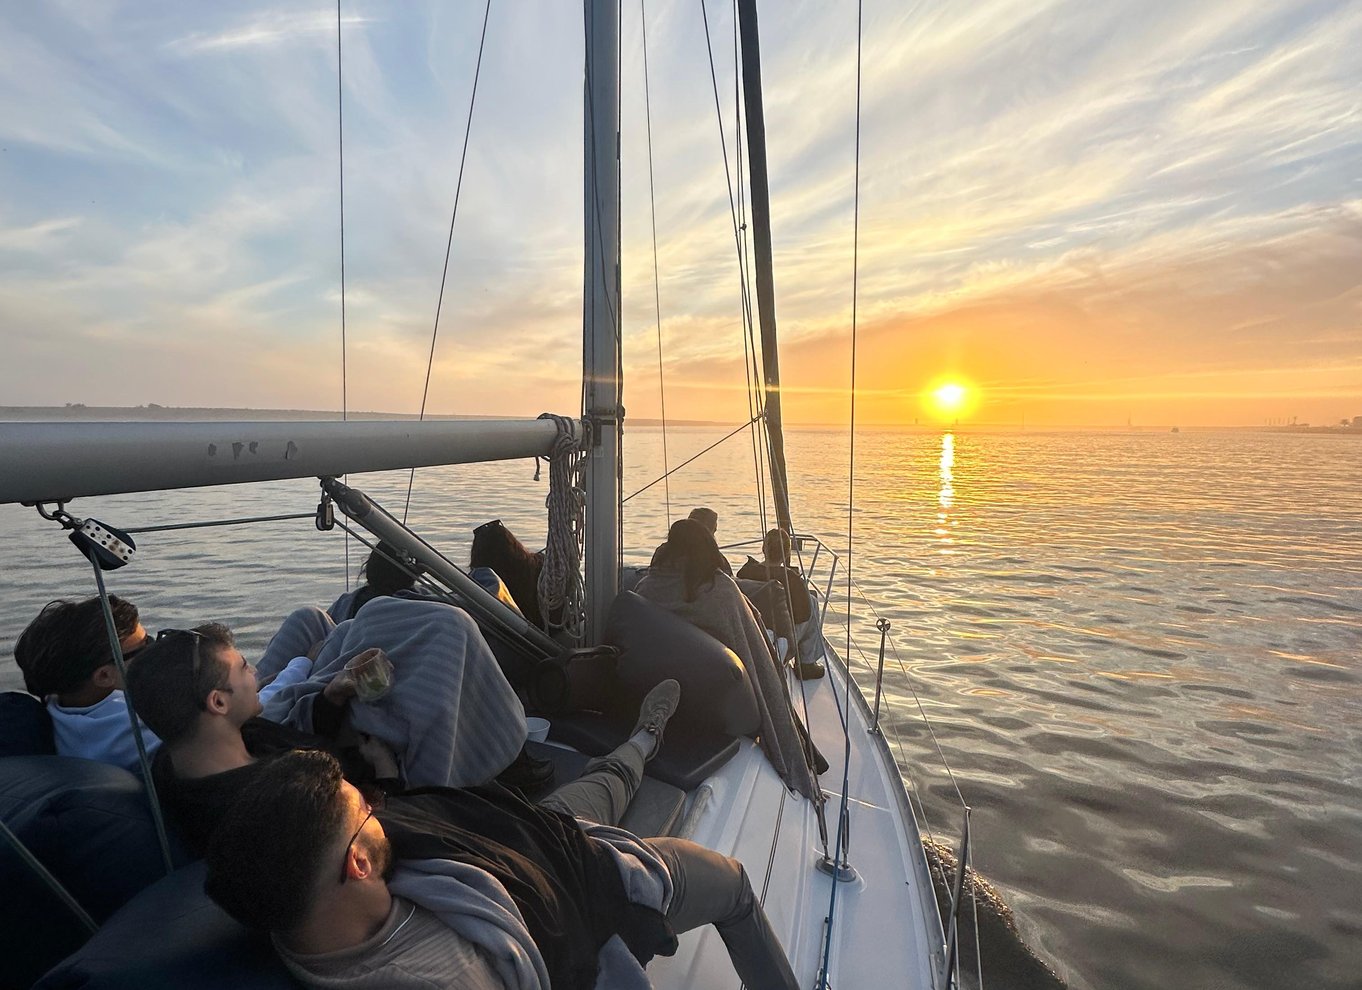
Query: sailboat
pixel 842 872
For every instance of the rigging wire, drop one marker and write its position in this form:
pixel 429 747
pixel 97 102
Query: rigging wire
pixel 449 241
pixel 619 323
pixel 757 411
pixel 842 823
pixel 749 343
pixel 340 142
pixel 242 521
pixel 143 760
pixel 657 291
pixel 689 460
pixel 755 396
pixel 908 678
pixel 904 763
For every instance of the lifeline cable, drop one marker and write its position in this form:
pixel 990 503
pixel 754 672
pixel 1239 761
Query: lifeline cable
pixel 843 825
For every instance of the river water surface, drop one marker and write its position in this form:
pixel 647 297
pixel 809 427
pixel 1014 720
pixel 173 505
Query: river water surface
pixel 1141 654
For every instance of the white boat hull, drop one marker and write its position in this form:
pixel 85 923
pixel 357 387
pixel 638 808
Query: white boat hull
pixel 885 931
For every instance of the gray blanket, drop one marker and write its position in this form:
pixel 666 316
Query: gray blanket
pixel 477 908
pixel 451 716
pixel 723 612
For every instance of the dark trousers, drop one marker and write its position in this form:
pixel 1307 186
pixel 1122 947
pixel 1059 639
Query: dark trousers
pixel 707 888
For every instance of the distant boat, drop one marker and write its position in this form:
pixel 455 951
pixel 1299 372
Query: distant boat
pixel 1176 430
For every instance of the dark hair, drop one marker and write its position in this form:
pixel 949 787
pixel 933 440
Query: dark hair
pixel 385 573
pixel 161 684
pixel 776 546
pixel 270 850
pixel 691 549
pixel 68 642
pixel 496 547
pixel 706 517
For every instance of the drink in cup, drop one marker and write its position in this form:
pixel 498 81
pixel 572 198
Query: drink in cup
pixel 373 674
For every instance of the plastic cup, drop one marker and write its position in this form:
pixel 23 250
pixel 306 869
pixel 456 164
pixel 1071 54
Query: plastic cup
pixel 538 728
pixel 373 674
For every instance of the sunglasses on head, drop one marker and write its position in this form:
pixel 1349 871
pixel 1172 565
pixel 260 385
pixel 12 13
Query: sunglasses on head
pixel 196 658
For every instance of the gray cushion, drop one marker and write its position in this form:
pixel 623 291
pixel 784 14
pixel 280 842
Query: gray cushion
pixel 654 644
pixel 89 823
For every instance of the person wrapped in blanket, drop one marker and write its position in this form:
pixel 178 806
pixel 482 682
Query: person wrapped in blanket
pixel 451 717
pixel 799 599
pixel 686 577
pixel 439 886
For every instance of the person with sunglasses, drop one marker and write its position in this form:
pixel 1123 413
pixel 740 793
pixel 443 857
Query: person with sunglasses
pixel 66 660
pixel 470 887
pixel 450 717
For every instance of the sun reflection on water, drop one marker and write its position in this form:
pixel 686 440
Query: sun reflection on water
pixel 945 495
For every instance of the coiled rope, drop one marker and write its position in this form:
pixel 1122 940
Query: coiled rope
pixel 560 580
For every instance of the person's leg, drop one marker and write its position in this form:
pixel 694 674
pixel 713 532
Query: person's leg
pixel 711 889
pixel 608 784
pixel 300 631
pixel 605 788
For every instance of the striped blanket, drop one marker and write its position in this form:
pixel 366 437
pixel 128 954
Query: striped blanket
pixel 451 716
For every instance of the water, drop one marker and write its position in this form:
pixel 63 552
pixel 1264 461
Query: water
pixel 1140 654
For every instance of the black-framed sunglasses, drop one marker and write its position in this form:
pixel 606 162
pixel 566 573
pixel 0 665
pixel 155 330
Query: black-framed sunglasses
pixel 196 658
pixel 139 648
pixel 345 857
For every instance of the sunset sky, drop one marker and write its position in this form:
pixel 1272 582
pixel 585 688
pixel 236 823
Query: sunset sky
pixel 1088 212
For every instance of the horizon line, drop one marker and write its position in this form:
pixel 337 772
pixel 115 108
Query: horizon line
pixel 155 411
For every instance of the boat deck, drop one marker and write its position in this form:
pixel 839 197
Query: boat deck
pixel 886 931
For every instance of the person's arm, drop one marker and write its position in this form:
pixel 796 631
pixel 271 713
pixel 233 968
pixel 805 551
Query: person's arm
pixel 328 708
pixel 295 672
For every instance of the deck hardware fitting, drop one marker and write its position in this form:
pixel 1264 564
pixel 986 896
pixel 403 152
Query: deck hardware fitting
pixel 882 624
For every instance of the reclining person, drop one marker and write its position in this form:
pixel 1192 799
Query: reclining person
pixel 470 888
pixel 495 547
pixel 385 574
pixel 445 667
pixel 686 578
pixel 65 658
pixel 803 605
pixel 194 689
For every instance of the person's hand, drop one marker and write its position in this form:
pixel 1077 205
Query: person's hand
pixel 380 757
pixel 341 688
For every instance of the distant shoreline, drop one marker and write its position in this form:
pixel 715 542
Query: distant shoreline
pixel 79 413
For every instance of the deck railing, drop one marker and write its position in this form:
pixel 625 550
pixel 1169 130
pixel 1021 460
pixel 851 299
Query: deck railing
pixel 880 715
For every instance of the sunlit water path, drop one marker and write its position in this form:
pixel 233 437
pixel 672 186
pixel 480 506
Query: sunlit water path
pixel 1140 653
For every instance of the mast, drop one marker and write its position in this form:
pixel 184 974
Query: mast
pixel 761 232
pixel 601 372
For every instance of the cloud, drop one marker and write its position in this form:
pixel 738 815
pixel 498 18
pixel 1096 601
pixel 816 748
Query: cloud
pixel 266 28
pixel 1078 188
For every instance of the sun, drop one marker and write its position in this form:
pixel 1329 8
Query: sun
pixel 949 398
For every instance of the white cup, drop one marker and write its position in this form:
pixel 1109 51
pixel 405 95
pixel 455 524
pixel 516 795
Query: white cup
pixel 538 727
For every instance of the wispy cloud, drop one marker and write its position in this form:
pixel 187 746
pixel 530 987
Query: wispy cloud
pixel 265 28
pixel 1151 189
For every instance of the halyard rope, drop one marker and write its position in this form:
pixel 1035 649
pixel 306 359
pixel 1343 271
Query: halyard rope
pixel 560 580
